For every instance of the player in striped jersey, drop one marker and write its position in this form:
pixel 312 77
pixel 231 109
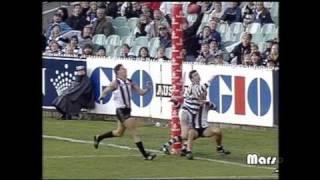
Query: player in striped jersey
pixel 189 109
pixel 121 88
pixel 201 128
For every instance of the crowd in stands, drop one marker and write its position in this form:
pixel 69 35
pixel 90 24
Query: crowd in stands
pixel 241 33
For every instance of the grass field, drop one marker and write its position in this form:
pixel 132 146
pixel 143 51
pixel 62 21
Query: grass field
pixel 68 153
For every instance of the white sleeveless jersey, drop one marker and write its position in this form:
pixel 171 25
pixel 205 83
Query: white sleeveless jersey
pixel 122 95
pixel 191 101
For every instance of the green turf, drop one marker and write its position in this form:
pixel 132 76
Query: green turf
pixel 121 163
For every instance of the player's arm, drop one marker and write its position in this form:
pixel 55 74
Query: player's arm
pixel 142 91
pixel 113 86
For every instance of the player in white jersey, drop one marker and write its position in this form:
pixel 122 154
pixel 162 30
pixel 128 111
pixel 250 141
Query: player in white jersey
pixel 201 128
pixel 189 108
pixel 121 88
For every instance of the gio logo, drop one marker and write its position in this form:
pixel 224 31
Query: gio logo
pixel 258 95
pixel 102 77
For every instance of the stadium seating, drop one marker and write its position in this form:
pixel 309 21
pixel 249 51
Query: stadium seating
pixel 120 21
pixel 123 31
pixel 113 40
pixel 99 39
pixel 141 41
pixel 135 50
pixel 127 40
pixel 168 52
pixel 132 23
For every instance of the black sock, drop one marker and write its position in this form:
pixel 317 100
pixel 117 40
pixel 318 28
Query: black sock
pixel 105 135
pixel 141 148
pixel 219 148
pixel 173 140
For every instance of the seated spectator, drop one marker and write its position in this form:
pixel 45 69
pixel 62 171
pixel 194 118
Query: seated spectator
pixel 254 48
pixel 84 8
pixel 165 37
pixel 76 21
pixel 131 9
pixel 57 19
pixel 87 50
pixel 53 48
pixel 271 64
pixel 144 54
pixel 203 37
pixel 155 6
pixel 75 44
pixel 86 36
pixel 56 35
pixel 161 54
pixel 217 12
pixel 274 54
pixel 247 60
pixel 219 59
pixel 205 56
pixel 112 9
pixel 125 52
pixel 63 12
pixel 232 14
pixel 248 13
pixel 140 30
pixel 241 49
pixel 69 50
pixel 102 25
pixel 79 95
pixel 101 52
pixel 214 47
pixel 91 15
pixel 256 58
pixel 207 6
pixel 215 35
pixel 146 10
pixel 267 51
pixel 262 14
pixel 153 27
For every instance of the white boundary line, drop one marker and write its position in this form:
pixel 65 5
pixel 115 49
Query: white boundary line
pixel 86 156
pixel 152 150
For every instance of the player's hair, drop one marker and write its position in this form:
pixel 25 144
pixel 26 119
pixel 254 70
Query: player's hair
pixel 117 68
pixel 191 73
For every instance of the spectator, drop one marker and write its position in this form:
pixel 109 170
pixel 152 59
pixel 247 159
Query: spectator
pixel 232 14
pixel 140 30
pixel 155 6
pixel 125 52
pixel 63 12
pixel 87 50
pixel 84 8
pixel 56 35
pixel 247 60
pixel 215 35
pixel 266 52
pixel 57 19
pixel 274 54
pixel 203 37
pixel 131 9
pixel 256 58
pixel 91 15
pixel 205 56
pixel 189 37
pixel 248 13
pixel 243 48
pixel 161 54
pixel 101 51
pixel 112 9
pixel 85 36
pixel 165 37
pixel 219 59
pixel 153 27
pixel 217 12
pixel 271 64
pixel 262 14
pixel 254 48
pixel 208 7
pixel 76 21
pixel 68 50
pixel 166 7
pixel 146 10
pixel 75 44
pixel 102 25
pixel 214 47
pixel 53 48
pixel 144 54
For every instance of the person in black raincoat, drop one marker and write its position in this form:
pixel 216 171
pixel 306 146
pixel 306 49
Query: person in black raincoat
pixel 78 95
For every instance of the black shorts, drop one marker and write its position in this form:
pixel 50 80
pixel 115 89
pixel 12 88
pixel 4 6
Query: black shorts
pixel 200 131
pixel 123 114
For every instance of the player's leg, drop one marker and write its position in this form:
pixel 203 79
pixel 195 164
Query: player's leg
pixel 216 135
pixel 131 126
pixel 192 135
pixel 110 134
